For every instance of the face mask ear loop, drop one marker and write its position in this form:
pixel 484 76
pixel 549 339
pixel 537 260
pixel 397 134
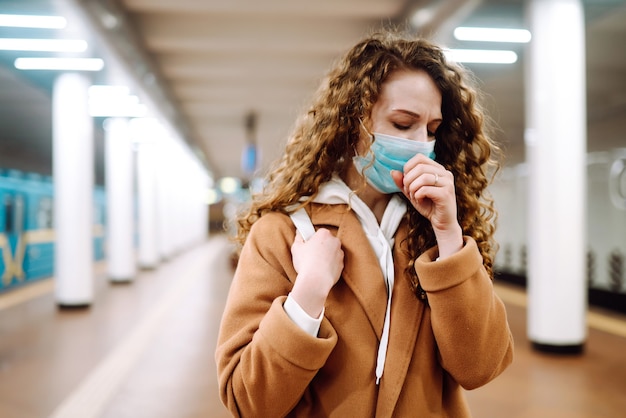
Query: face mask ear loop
pixel 355 152
pixel 372 139
pixel 366 131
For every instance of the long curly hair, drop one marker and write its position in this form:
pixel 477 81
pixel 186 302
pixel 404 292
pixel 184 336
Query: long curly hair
pixel 325 137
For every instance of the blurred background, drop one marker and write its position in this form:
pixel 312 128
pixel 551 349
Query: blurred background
pixel 228 79
pixel 212 88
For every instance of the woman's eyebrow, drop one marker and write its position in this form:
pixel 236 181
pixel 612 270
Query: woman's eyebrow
pixel 413 114
pixel 408 112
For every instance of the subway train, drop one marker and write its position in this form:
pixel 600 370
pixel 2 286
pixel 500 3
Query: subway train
pixel 27 231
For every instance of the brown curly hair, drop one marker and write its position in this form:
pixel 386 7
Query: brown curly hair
pixel 325 137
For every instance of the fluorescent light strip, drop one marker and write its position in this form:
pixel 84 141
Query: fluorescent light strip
pixel 492 35
pixel 27 21
pixel 48 45
pixel 481 56
pixel 62 64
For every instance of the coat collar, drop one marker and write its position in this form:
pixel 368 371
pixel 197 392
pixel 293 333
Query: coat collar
pixel 364 277
pixel 366 281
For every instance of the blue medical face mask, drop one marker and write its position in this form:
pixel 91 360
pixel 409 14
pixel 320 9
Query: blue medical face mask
pixel 389 153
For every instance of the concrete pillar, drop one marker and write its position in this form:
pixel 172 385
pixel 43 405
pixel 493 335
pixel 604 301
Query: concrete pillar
pixel 555 149
pixel 119 183
pixel 166 201
pixel 148 250
pixel 73 177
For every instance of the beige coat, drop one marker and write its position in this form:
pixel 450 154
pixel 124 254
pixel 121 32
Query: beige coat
pixel 268 367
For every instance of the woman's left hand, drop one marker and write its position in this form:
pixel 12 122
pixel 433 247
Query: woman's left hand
pixel 430 189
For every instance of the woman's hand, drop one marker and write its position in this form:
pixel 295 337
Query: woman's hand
pixel 319 263
pixel 430 188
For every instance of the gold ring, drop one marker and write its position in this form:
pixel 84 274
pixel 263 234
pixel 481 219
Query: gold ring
pixel 436 179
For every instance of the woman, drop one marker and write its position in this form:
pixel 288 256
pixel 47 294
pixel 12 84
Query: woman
pixel 388 309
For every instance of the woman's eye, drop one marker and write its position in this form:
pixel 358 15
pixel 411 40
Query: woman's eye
pixel 401 127
pixel 433 132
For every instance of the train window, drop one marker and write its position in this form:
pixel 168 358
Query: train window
pixel 44 213
pixel 8 213
pixel 97 213
pixel 19 210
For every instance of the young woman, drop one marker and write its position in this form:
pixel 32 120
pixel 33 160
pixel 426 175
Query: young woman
pixel 387 309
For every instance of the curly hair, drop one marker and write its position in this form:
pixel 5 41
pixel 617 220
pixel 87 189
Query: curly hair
pixel 324 139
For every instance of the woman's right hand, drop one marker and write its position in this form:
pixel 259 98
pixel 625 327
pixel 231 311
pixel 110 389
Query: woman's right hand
pixel 319 263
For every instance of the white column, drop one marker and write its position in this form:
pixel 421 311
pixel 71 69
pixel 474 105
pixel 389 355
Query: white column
pixel 148 251
pixel 73 176
pixel 119 183
pixel 166 200
pixel 555 148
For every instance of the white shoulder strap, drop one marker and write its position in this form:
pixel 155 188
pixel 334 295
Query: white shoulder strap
pixel 303 223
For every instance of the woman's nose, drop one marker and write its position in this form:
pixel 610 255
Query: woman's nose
pixel 421 134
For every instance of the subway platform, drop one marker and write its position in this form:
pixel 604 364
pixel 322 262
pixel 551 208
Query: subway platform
pixel 145 349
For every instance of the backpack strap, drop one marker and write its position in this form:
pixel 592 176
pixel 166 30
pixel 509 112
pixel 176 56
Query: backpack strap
pixel 302 221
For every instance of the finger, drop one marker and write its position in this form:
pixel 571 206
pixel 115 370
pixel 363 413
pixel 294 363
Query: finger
pixel 416 173
pixel 398 178
pixel 420 159
pixel 417 180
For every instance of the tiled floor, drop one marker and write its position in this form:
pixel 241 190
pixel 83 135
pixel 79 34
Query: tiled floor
pixel 539 385
pixel 145 350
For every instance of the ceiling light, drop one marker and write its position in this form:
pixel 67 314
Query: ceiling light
pixel 63 64
pixel 422 17
pixel 482 56
pixel 492 35
pixel 212 196
pixel 229 185
pixel 48 45
pixel 109 21
pixel 27 21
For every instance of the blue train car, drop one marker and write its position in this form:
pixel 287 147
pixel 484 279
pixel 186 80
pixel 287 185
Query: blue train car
pixel 99 219
pixel 27 231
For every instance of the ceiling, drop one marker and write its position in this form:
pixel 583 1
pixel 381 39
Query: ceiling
pixel 207 65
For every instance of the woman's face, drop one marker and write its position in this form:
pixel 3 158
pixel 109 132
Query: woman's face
pixel 409 106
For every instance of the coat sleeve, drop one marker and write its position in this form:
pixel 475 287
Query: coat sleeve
pixel 469 320
pixel 264 360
